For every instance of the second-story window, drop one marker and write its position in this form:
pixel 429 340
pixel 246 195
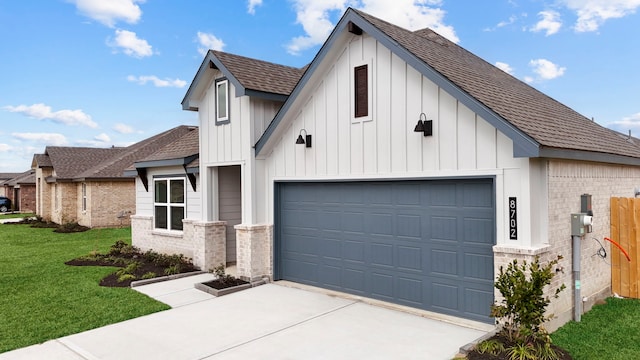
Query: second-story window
pixel 222 101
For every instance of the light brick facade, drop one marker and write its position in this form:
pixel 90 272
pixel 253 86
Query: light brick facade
pixel 567 180
pixel 203 242
pixel 255 251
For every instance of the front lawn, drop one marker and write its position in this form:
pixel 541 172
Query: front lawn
pixel 610 331
pixel 41 298
pixel 14 215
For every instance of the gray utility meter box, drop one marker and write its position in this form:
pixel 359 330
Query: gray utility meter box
pixel 580 224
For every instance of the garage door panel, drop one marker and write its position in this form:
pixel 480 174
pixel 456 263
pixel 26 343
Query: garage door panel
pixel 353 251
pixel 352 221
pixel 444 228
pixel 409 291
pixel 409 258
pixel 426 244
pixel 381 224
pixel 382 254
pixel 409 225
pixel 382 286
pixel 478 230
pixel 478 266
pixel 444 262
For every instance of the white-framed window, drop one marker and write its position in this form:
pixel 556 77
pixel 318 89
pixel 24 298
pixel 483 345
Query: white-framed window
pixel 169 203
pixel 84 196
pixel 222 101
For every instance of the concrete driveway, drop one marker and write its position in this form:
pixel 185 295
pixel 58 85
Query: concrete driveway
pixel 271 321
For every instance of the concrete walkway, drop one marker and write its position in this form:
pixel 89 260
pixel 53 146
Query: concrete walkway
pixel 271 321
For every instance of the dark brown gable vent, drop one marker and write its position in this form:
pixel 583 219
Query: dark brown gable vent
pixel 361 91
pixel 354 29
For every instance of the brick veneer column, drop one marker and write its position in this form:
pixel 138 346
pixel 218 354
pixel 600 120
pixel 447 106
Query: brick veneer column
pixel 209 241
pixel 254 256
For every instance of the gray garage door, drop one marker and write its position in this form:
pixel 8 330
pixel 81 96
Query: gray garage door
pixel 425 244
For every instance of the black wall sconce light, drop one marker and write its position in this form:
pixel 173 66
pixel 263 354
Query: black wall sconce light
pixel 306 140
pixel 424 126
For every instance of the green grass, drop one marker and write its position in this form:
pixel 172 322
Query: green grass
pixel 609 331
pixel 41 298
pixel 16 215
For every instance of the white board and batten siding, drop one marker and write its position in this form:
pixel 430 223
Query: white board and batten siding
pixel 231 144
pixel 384 145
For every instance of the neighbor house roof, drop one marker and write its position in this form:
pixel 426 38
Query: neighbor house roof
pixel 182 151
pixel 538 125
pixel 26 178
pixel 250 77
pixel 84 163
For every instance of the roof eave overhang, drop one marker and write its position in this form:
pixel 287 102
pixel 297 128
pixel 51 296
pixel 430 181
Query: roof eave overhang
pixel 166 162
pixel 584 155
pixel 523 145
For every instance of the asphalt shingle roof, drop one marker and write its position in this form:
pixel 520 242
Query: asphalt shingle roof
pixel 260 75
pixel 549 122
pixel 185 146
pixel 70 163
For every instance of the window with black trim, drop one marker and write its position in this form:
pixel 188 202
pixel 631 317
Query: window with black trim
pixel 169 203
pixel 361 87
pixel 222 101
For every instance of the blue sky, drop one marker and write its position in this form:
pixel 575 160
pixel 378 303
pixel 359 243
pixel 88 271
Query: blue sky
pixel 112 72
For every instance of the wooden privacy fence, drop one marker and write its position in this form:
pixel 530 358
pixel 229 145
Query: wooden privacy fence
pixel 625 230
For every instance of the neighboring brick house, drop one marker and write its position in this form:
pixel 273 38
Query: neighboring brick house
pixel 21 189
pixel 4 177
pixel 397 166
pixel 87 185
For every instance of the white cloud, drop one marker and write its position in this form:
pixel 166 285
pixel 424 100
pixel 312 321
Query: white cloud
pixel 42 112
pixel 109 12
pixel 209 41
pixel 45 138
pixel 628 122
pixel 131 44
pixel 593 13
pixel 123 129
pixel 157 82
pixel 545 69
pixel 529 79
pixel 251 7
pixel 550 22
pixel 100 140
pixel 5 147
pixel 504 67
pixel 315 18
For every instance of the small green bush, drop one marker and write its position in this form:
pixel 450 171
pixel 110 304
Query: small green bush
pixel 125 277
pixel 521 313
pixel 148 275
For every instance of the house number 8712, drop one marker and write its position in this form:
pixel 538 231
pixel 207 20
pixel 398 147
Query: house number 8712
pixel 513 219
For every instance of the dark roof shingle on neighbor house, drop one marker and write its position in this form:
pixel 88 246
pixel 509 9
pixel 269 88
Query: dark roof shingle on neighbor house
pixel 83 163
pixel 547 121
pixel 182 151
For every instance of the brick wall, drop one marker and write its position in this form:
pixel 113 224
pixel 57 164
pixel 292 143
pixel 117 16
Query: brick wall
pixel 64 203
pixel 567 181
pixel 106 201
pixel 255 255
pixel 27 198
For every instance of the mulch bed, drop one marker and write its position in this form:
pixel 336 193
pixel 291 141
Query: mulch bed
pixel 111 280
pixel 147 263
pixel 39 223
pixel 219 285
pixel 475 355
